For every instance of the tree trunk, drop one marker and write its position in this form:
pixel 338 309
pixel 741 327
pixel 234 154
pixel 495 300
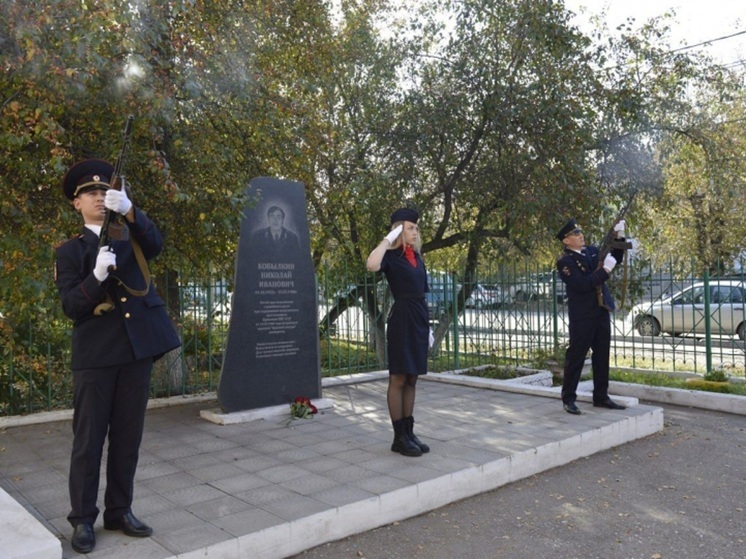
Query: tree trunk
pixel 169 372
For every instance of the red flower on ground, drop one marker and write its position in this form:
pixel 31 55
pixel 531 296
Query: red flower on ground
pixel 302 408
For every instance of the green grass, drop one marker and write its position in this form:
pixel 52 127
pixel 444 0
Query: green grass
pixel 667 381
pixel 446 362
pixel 672 366
pixel 498 373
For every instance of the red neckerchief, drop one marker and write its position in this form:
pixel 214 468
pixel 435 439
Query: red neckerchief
pixel 409 255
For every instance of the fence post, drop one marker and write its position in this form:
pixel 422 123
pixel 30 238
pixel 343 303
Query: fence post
pixel 454 319
pixel 708 326
pixel 555 326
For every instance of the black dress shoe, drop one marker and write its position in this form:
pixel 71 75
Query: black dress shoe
pixel 611 404
pixel 572 408
pixel 130 525
pixel 83 540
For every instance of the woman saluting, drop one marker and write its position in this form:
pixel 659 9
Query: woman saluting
pixel 408 327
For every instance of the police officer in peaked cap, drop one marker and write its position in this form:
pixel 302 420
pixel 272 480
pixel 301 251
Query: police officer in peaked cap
pixel 589 320
pixel 120 327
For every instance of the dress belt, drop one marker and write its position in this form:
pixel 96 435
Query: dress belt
pixel 409 296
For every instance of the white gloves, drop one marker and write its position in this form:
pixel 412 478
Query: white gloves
pixel 394 234
pixel 619 228
pixel 430 339
pixel 117 201
pixel 609 263
pixel 104 259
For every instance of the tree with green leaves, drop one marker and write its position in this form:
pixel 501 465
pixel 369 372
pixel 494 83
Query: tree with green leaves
pixel 497 119
pixel 699 218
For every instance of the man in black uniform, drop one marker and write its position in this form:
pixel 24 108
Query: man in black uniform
pixel 113 348
pixel 589 321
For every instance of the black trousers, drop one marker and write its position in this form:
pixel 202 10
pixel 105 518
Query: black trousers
pixel 109 401
pixel 593 334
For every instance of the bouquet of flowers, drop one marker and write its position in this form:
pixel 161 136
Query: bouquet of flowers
pixel 302 408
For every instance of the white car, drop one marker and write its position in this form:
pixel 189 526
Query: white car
pixel 537 286
pixel 487 297
pixel 684 312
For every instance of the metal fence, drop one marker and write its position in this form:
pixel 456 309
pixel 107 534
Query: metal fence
pixel 668 322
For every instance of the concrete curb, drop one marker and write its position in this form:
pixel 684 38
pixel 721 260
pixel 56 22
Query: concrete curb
pixel 22 536
pixel 728 403
pixel 627 393
pixel 63 415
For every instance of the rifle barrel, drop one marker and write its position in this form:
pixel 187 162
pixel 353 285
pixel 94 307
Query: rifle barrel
pixel 115 181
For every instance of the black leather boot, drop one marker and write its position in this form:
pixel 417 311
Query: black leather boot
pixel 409 426
pixel 402 443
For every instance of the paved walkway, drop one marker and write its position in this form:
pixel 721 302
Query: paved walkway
pixel 273 487
pixel 677 494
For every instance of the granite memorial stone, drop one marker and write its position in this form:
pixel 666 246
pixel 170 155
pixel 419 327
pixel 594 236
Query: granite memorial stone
pixel 272 352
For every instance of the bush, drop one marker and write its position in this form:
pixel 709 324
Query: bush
pixel 718 375
pixel 709 386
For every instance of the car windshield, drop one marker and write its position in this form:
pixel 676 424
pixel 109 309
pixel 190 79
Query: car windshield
pixel 691 296
pixel 722 294
pixel 719 294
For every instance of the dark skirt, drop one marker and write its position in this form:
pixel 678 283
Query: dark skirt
pixel 407 337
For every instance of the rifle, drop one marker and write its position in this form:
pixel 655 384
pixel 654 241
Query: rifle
pixel 114 227
pixel 611 243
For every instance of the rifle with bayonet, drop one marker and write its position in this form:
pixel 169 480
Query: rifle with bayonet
pixel 610 243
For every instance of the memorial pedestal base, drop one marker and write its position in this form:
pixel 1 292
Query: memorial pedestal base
pixel 270 412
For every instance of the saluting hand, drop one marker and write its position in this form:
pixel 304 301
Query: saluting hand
pixel 394 234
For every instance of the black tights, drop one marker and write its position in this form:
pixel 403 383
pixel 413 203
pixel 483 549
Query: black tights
pixel 400 396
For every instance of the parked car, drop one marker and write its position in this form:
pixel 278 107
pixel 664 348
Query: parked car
pixel 537 286
pixel 487 297
pixel 200 301
pixel 443 288
pixel 684 311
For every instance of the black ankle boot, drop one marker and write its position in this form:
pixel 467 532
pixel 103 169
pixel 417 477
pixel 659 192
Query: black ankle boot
pixel 402 443
pixel 409 426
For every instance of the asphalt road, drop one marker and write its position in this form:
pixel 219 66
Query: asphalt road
pixel 678 494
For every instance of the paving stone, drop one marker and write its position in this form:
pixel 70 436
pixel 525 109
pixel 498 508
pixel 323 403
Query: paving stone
pixel 262 487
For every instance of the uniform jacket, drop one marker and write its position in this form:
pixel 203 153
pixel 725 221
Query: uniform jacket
pixel 582 276
pixel 286 247
pixel 137 327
